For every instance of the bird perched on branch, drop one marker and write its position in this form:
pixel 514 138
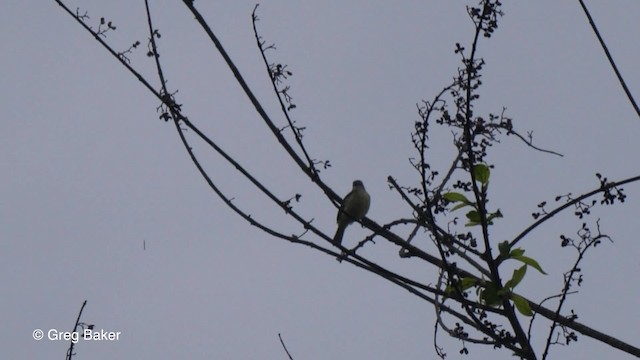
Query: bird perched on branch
pixel 354 207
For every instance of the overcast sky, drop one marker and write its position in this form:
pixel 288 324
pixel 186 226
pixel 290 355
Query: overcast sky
pixel 89 173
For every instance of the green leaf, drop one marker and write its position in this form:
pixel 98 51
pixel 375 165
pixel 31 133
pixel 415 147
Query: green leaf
pixel 467 282
pixel 473 216
pixel 461 205
pixel 522 305
pixel 518 275
pixel 516 252
pixel 494 215
pixel 481 173
pixel 489 218
pixel 449 289
pixel 489 295
pixel 529 261
pixel 504 248
pixel 464 284
pixel 455 197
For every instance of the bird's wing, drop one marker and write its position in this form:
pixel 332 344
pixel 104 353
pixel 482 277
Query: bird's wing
pixel 344 202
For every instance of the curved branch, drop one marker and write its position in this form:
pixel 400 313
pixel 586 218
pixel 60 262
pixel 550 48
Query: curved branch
pixel 70 352
pixel 296 135
pixel 307 169
pixel 566 205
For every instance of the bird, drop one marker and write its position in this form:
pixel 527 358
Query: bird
pixel 354 207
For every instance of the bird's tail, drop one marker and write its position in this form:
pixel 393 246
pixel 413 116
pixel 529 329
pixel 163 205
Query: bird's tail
pixel 337 238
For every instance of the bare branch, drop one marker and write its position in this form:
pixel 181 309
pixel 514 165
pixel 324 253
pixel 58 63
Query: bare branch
pixel 610 58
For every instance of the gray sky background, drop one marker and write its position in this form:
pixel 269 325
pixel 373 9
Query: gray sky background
pixel 89 172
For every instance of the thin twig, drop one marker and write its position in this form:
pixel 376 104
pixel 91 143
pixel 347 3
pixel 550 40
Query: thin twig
pixel 566 205
pixel 258 106
pixel 285 347
pixel 610 58
pixel 70 350
pixel 567 285
pixel 285 112
pixel 412 286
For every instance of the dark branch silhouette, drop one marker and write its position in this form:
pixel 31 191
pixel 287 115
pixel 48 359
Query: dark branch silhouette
pixel 474 298
pixel 623 83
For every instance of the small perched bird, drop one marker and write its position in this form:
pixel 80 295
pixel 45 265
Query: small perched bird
pixel 354 207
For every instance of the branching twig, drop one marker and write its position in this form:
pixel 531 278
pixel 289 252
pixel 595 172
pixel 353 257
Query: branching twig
pixel 285 112
pixel 470 152
pixel 549 215
pixel 588 242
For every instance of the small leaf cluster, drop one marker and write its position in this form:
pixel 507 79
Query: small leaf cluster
pixel 486 17
pixel 490 293
pixel 610 193
pixel 493 295
pixel 481 174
